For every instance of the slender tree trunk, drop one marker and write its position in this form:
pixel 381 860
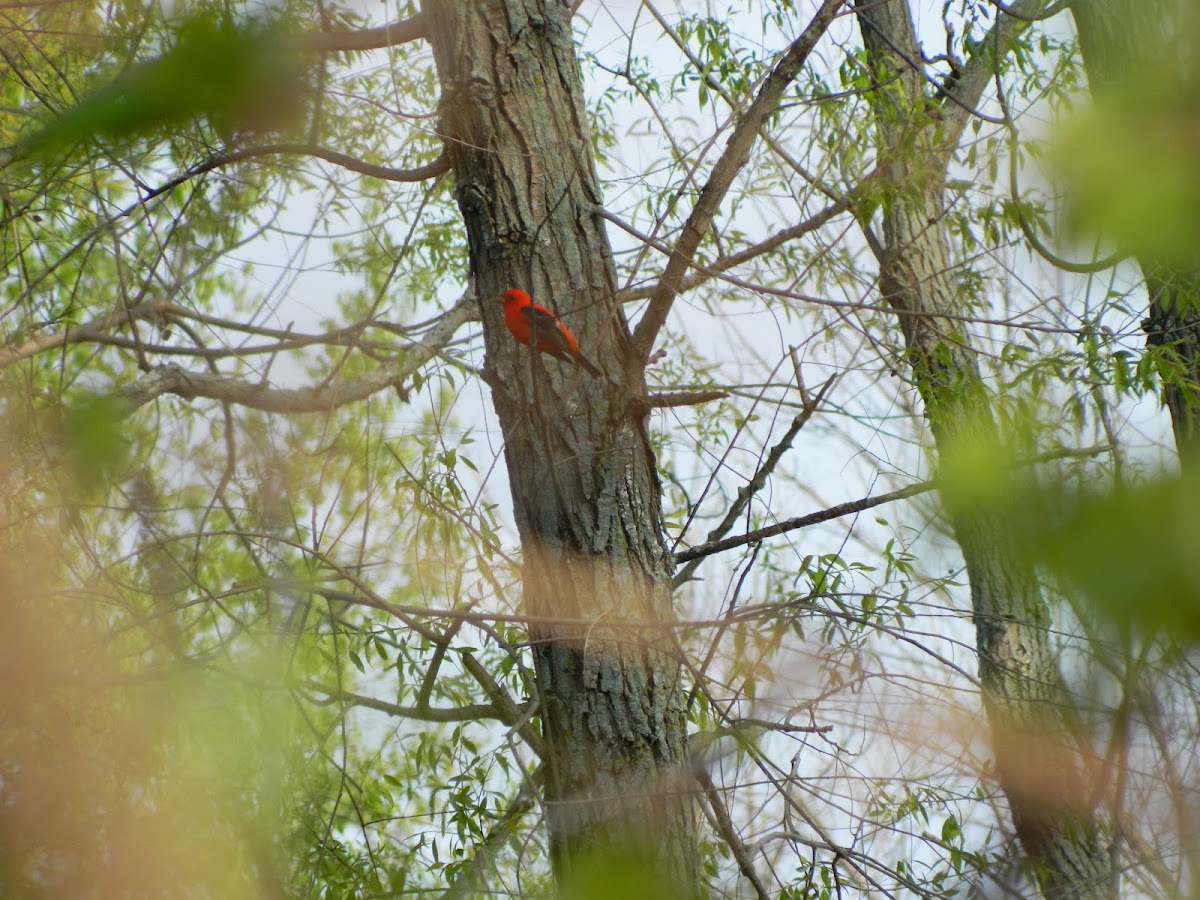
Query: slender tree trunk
pixel 1036 756
pixel 585 490
pixel 1130 45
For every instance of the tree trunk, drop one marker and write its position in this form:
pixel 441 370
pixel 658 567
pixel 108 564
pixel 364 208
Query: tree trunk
pixel 1123 41
pixel 586 496
pixel 1037 759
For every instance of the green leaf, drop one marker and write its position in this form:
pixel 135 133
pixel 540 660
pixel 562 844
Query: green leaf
pixel 951 830
pixel 233 76
pixel 92 434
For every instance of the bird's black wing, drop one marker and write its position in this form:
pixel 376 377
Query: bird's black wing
pixel 546 332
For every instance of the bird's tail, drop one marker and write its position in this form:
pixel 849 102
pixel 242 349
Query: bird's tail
pixel 586 363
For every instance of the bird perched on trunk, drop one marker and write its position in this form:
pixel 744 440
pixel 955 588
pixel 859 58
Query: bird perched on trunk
pixel 535 326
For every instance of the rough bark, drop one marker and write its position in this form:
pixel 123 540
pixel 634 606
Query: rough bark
pixel 585 491
pixel 1127 44
pixel 1037 759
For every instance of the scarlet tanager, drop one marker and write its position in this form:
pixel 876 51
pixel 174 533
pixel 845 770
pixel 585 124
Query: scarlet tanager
pixel 537 327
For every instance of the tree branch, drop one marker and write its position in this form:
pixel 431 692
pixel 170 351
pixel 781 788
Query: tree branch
pixel 43 341
pixel 472 712
pixel 675 398
pixel 1014 193
pixel 825 301
pixel 755 484
pixel 782 727
pixel 435 168
pixel 981 68
pixel 173 379
pixel 718 88
pixel 1047 13
pixel 439 166
pixel 511 714
pixel 725 263
pixel 729 834
pixel 732 161
pixel 469 880
pixel 390 35
pixel 854 506
pixel 164 312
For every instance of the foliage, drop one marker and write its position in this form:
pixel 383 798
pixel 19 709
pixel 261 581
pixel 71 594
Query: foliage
pixel 258 651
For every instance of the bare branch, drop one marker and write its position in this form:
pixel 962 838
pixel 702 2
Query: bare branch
pixel 854 506
pixel 754 485
pixel 725 263
pixel 732 161
pixel 729 834
pixel 43 341
pixel 677 398
pixel 390 35
pixel 163 312
pixel 172 379
pixel 833 512
pixel 782 727
pixel 191 385
pixel 825 301
pixel 472 712
pixel 439 166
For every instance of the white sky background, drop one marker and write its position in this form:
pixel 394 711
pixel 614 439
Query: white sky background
pixel 871 448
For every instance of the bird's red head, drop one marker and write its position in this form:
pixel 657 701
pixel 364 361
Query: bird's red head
pixel 516 295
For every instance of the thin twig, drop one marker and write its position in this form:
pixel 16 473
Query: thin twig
pixel 731 260
pixel 730 836
pixel 755 484
pixel 731 162
pixel 854 506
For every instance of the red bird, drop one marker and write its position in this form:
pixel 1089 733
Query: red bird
pixel 537 327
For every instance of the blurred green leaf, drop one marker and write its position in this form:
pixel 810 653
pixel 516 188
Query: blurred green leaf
pixel 92 437
pixel 1134 174
pixel 607 875
pixel 1131 159
pixel 235 77
pixel 1135 551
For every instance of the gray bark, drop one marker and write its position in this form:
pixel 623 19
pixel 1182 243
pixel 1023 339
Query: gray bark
pixel 585 491
pixel 1129 45
pixel 1037 761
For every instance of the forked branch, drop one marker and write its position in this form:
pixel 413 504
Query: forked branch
pixel 321 398
pixel 731 162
